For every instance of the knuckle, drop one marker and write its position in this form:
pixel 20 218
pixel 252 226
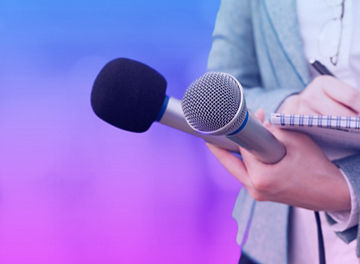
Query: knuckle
pixel 262 184
pixel 257 196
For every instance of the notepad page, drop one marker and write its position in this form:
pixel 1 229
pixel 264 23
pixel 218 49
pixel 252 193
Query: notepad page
pixel 337 136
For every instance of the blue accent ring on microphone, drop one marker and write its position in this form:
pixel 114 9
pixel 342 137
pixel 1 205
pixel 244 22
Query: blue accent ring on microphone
pixel 242 125
pixel 163 108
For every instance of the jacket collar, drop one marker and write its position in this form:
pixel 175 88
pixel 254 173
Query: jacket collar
pixel 283 19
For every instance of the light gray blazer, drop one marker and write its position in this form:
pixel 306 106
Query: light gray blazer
pixel 258 41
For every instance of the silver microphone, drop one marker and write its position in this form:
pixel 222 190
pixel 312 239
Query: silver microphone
pixel 173 116
pixel 214 104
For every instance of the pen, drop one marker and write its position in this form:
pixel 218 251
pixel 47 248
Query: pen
pixel 320 68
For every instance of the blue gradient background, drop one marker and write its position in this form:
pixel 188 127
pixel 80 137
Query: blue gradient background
pixel 74 189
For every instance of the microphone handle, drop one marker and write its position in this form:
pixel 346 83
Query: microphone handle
pixel 174 117
pixel 259 141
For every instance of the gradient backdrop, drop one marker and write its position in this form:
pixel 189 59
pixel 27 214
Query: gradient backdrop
pixel 73 189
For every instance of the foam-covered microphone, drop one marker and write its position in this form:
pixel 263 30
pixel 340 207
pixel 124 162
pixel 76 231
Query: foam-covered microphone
pixel 214 104
pixel 131 95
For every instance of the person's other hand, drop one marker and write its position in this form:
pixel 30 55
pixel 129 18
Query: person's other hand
pixel 303 178
pixel 325 95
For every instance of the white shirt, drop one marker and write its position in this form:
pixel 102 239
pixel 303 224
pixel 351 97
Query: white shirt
pixel 320 41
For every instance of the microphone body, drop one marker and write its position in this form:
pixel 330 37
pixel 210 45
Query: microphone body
pixel 173 116
pixel 259 141
pixel 214 105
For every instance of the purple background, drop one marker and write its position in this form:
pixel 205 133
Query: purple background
pixel 73 189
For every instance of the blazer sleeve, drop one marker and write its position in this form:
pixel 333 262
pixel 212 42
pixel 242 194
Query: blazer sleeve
pixel 233 51
pixel 351 168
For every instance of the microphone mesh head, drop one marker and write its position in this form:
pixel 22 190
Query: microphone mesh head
pixel 212 101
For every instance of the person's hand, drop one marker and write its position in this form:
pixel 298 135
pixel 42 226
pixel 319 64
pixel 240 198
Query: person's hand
pixel 325 95
pixel 303 178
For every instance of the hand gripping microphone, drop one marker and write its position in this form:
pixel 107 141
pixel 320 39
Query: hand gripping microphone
pixel 214 105
pixel 131 95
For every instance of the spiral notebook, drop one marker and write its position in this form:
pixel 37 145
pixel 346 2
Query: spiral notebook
pixel 338 136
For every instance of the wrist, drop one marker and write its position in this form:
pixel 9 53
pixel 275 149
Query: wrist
pixel 346 218
pixel 337 194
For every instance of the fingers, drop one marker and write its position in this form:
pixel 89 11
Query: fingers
pixel 325 95
pixel 248 159
pixel 327 106
pixel 342 93
pixel 232 163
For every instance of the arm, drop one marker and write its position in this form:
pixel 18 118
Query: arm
pixel 327 95
pixel 343 220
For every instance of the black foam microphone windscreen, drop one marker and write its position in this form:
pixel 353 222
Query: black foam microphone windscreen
pixel 128 94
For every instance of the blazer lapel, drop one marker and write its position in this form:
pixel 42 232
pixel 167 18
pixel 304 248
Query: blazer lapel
pixel 283 20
